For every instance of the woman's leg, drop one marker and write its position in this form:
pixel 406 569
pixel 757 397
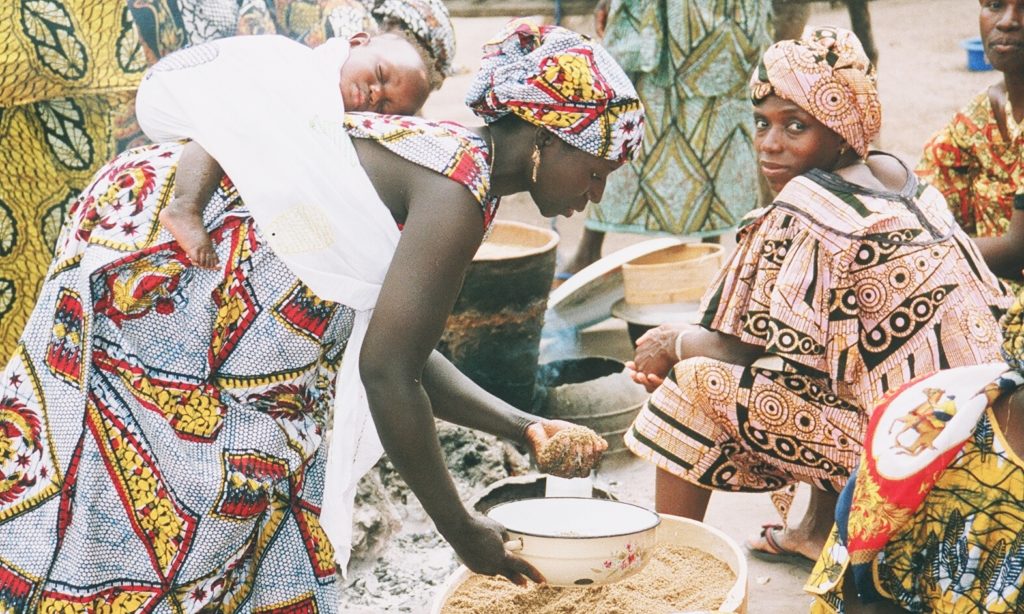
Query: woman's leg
pixel 674 495
pixel 806 538
pixel 588 251
pixel 810 535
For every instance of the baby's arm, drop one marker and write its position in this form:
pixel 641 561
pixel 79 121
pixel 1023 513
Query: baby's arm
pixel 195 181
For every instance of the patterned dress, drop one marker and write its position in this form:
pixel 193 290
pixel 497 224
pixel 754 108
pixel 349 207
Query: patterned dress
pixel 962 551
pixel 67 84
pixel 976 168
pixel 690 61
pixel 850 292
pixel 161 426
pixel 67 91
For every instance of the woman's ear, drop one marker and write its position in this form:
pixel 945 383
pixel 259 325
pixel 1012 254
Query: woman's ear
pixel 358 39
pixel 543 137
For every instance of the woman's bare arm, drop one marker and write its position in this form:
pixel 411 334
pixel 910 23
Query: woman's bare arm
pixel 443 229
pixel 1005 254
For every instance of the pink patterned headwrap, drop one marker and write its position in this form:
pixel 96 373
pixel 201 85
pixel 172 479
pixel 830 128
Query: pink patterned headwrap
pixel 827 74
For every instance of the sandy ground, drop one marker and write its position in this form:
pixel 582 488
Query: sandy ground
pixel 923 80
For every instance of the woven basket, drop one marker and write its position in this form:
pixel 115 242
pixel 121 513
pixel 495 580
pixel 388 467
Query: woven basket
pixel 675 274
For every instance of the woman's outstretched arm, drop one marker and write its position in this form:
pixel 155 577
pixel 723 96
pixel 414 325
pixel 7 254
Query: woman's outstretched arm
pixel 459 400
pixel 443 229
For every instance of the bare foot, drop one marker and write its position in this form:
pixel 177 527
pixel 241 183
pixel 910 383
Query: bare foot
pixel 187 229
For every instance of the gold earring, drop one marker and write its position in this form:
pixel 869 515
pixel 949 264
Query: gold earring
pixel 535 156
pixel 843 149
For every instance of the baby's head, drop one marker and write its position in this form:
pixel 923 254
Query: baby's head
pixel 386 73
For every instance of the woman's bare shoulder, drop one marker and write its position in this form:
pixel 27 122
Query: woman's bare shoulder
pixel 891 170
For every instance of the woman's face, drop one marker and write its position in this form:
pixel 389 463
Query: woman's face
pixel 568 178
pixel 1002 29
pixel 790 141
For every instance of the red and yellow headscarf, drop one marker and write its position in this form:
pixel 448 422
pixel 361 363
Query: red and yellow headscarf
pixel 562 81
pixel 827 74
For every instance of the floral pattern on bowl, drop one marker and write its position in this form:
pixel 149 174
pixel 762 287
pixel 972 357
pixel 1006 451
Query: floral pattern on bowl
pixel 621 561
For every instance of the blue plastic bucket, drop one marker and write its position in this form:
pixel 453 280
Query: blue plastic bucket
pixel 976 59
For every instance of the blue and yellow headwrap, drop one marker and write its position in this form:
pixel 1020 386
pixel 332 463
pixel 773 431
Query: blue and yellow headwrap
pixel 553 77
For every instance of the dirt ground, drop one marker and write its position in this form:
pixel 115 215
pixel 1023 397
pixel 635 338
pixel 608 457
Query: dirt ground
pixel 923 80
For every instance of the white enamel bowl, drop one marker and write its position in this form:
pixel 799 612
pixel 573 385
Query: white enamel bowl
pixel 579 541
pixel 675 531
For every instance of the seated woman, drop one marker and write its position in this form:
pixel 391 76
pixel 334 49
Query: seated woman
pixel 162 425
pixel 932 520
pixel 975 161
pixel 854 280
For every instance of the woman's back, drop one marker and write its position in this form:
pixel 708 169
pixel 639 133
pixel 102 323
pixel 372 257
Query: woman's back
pixel 867 288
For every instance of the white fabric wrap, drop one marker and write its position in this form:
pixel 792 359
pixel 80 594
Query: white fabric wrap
pixel 270 111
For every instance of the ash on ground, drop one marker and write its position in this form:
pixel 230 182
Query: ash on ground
pixel 399 560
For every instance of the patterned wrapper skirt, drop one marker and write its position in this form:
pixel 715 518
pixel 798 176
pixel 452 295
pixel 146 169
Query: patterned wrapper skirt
pixel 748 429
pixel 161 425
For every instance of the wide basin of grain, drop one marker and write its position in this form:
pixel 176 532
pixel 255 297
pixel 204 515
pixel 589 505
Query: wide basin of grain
pixel 675 533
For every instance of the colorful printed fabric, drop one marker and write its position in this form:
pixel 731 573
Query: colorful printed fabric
pixel 558 79
pixel 904 525
pixel 165 27
pixel 828 75
pixel 1013 334
pixel 976 167
pixel 854 292
pixel 690 62
pixel 960 552
pixel 912 437
pixel 164 422
pixel 427 21
pixel 68 74
pixel 748 429
pixel 445 147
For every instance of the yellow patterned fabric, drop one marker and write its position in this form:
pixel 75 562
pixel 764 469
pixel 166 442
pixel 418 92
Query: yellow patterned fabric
pixel 856 292
pixel 1013 334
pixel 690 61
pixel 827 74
pixel 162 426
pixel 68 72
pixel 962 552
pixel 58 48
pixel 976 168
pixel 562 81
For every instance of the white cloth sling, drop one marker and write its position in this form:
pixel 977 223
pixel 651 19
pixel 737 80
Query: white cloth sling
pixel 270 111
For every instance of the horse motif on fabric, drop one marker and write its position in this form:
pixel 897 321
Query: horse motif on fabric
pixel 926 420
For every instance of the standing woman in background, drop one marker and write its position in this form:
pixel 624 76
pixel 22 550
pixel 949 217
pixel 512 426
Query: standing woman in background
pixel 975 160
pixel 696 174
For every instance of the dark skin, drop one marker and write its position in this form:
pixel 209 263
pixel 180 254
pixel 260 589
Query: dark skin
pixel 789 142
pixel 588 250
pixel 1001 23
pixel 407 382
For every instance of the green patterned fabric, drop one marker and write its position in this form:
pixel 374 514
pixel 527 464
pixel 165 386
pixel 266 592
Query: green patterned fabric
pixel 690 60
